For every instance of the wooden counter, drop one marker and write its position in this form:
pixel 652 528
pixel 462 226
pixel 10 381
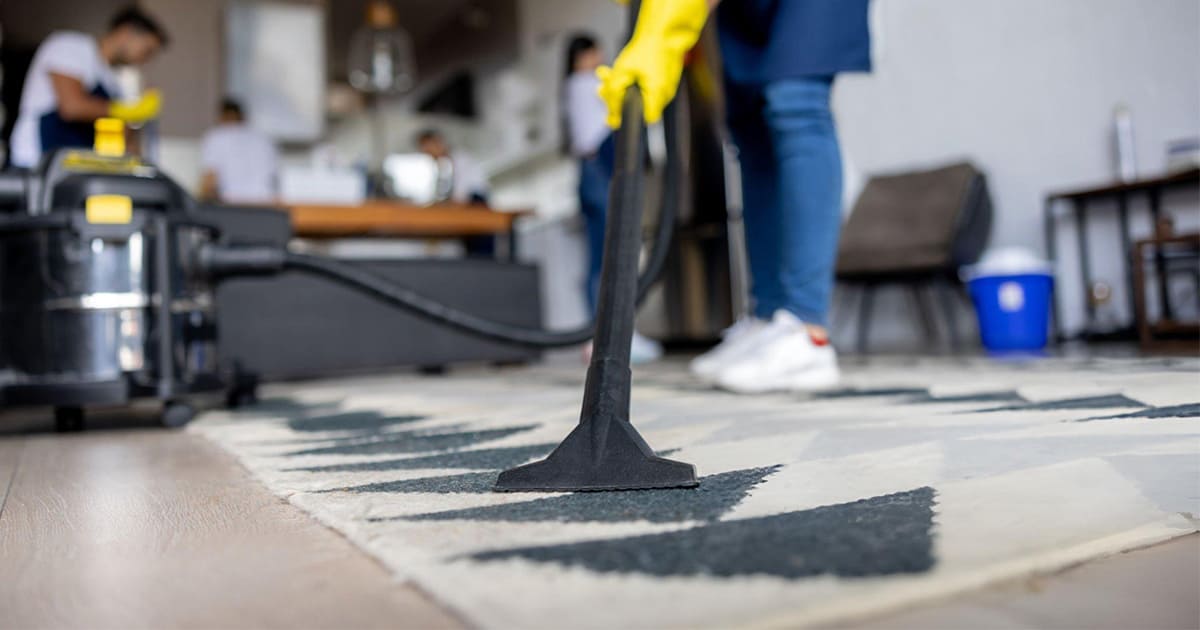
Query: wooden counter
pixel 395 219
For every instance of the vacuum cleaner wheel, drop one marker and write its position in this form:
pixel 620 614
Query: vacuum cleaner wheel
pixel 176 414
pixel 68 419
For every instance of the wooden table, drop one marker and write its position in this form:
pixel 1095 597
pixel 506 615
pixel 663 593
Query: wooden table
pixel 1165 250
pixel 1080 203
pixel 396 219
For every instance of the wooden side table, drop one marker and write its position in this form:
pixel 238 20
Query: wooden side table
pixel 1081 205
pixel 1165 250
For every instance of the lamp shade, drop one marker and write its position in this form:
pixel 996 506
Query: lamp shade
pixel 381 55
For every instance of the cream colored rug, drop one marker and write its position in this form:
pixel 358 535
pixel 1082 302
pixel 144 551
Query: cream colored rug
pixel 917 480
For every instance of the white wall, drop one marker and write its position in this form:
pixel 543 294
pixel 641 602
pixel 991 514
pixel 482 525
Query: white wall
pixel 179 157
pixel 1026 89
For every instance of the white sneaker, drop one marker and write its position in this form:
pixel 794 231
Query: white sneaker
pixel 784 357
pixel 733 340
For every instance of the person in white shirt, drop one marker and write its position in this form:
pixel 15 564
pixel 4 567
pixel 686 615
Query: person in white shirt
pixel 468 181
pixel 70 84
pixel 468 184
pixel 241 164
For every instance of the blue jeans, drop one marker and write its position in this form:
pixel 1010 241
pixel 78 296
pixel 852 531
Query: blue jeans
pixel 791 193
pixel 595 173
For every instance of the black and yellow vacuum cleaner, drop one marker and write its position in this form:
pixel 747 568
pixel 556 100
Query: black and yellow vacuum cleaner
pixel 107 269
pixel 99 301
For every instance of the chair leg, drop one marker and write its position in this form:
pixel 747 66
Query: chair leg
pixel 864 316
pixel 928 326
pixel 946 298
pixel 843 304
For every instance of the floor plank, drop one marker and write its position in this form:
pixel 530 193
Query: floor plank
pixel 151 528
pixel 10 455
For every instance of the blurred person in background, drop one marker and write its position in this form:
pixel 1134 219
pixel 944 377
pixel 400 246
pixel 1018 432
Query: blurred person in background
pixel 589 140
pixel 468 184
pixel 780 59
pixel 71 83
pixel 241 164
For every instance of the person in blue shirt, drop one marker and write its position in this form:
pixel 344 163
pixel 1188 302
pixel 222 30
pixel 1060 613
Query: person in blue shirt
pixel 780 60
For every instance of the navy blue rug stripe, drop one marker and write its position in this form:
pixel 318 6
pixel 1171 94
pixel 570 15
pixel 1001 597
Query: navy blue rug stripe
pixel 1171 411
pixel 413 442
pixel 1110 401
pixel 350 421
pixel 716 495
pixel 884 535
pixel 481 459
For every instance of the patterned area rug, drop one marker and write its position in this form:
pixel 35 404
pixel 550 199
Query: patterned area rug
pixel 917 480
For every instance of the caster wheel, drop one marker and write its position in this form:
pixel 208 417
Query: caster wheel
pixel 243 396
pixel 176 414
pixel 243 388
pixel 68 419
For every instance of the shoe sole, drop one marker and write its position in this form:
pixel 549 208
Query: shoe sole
pixel 709 370
pixel 806 385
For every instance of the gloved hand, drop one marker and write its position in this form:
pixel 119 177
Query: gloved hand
pixel 653 58
pixel 146 108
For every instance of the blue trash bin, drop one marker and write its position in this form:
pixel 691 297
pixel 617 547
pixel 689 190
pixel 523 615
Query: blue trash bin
pixel 1013 310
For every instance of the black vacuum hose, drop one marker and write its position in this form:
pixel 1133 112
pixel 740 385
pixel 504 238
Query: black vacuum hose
pixel 233 261
pixel 410 300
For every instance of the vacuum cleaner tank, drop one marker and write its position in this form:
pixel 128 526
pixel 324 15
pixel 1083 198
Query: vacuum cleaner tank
pixel 98 303
pixel 77 306
pixel 72 308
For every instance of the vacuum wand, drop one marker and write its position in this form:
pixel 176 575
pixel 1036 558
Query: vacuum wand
pixel 605 451
pixel 617 299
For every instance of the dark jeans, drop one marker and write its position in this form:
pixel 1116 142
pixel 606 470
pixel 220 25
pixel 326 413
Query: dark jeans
pixel 480 246
pixel 595 173
pixel 791 192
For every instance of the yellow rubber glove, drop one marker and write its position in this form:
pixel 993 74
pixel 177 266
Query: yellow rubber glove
pixel 653 59
pixel 146 108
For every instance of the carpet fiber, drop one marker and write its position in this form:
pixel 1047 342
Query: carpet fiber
pixel 916 480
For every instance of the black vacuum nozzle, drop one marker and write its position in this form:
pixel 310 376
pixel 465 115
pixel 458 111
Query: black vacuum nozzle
pixel 605 451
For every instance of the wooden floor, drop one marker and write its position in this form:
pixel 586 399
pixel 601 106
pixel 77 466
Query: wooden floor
pixel 148 528
pixel 137 527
